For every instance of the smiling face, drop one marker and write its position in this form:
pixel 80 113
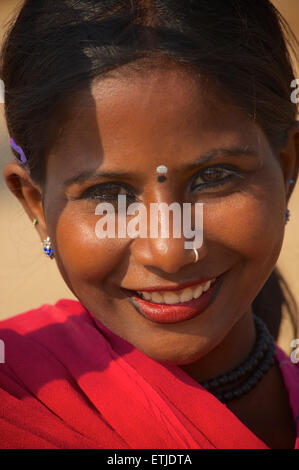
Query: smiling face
pixel 120 132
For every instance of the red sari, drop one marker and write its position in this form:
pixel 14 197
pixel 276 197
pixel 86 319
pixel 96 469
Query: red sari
pixel 70 383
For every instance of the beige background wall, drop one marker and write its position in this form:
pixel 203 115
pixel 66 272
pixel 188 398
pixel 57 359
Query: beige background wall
pixel 29 279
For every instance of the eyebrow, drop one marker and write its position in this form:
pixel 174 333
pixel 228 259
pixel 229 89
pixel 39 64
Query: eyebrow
pixel 88 175
pixel 222 152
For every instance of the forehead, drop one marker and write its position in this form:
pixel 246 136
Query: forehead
pixel 170 93
pixel 155 113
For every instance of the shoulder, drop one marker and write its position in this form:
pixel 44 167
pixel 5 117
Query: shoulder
pixel 289 368
pixel 45 342
pixel 62 311
pixel 290 363
pixel 37 334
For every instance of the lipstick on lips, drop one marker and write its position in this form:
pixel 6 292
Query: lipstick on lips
pixel 174 304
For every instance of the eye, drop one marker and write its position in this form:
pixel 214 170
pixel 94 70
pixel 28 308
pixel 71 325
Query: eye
pixel 213 176
pixel 108 192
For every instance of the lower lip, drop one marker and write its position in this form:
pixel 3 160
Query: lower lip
pixel 162 313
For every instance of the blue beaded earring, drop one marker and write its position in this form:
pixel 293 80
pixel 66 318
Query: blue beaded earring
pixel 47 248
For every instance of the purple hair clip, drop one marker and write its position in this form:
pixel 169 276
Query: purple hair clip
pixel 18 149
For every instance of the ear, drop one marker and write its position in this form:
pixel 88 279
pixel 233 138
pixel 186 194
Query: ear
pixel 28 193
pixel 289 158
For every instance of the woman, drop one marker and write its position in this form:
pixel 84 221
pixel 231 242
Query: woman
pixel 160 102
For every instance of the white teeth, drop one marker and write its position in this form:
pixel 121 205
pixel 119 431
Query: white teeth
pixel 157 298
pixel 183 295
pixel 146 295
pixel 206 286
pixel 186 294
pixel 198 291
pixel 171 298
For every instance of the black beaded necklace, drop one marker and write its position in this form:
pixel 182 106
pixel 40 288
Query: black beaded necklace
pixel 245 377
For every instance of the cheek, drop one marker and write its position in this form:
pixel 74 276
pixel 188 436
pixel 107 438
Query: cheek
pixel 82 254
pixel 251 225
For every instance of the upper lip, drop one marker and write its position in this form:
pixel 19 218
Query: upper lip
pixel 174 288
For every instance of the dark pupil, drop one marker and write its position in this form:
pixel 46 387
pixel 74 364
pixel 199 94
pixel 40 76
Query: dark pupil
pixel 212 174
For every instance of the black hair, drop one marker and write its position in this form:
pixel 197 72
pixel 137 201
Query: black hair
pixel 57 47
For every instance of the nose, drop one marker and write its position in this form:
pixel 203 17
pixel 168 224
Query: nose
pixel 168 255
pixel 168 251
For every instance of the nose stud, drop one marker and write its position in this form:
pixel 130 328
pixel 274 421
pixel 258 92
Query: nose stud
pixel 196 255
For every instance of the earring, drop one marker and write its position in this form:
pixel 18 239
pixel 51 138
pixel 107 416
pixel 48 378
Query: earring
pixel 48 248
pixel 287 216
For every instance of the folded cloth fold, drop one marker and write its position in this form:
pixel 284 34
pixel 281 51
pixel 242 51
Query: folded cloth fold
pixel 68 382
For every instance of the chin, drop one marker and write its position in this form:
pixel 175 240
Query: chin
pixel 175 356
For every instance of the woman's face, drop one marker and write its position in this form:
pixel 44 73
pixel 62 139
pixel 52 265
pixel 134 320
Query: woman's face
pixel 123 129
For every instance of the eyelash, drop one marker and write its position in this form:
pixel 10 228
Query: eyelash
pixel 92 193
pixel 234 172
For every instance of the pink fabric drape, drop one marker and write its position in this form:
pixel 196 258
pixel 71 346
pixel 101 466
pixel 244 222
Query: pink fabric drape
pixel 68 382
